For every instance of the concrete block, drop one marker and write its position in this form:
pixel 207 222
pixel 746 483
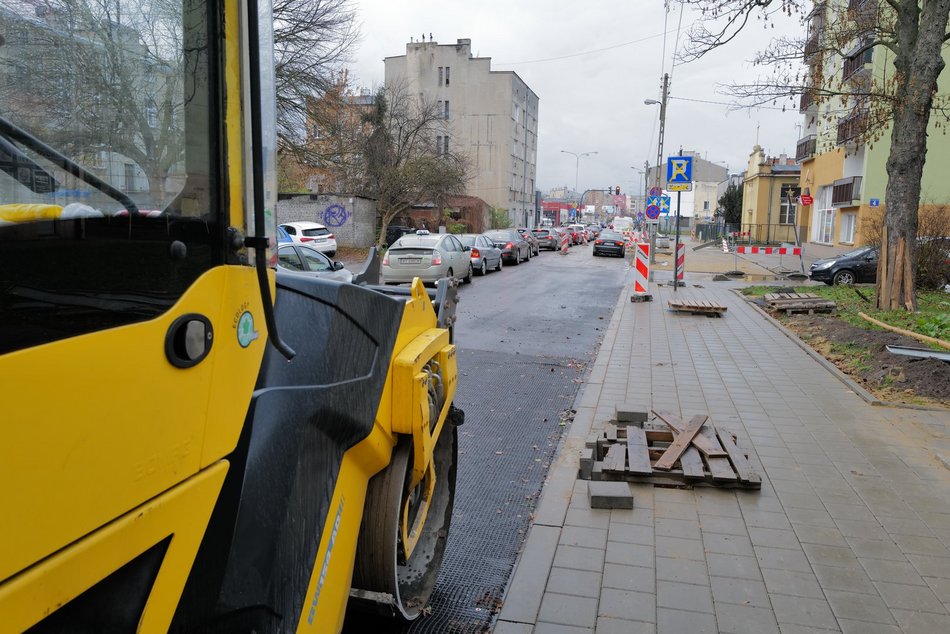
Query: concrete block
pixel 597 471
pixel 586 465
pixel 609 495
pixel 632 413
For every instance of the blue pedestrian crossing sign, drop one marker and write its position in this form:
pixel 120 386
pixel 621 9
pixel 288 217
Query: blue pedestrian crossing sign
pixel 679 173
pixel 664 205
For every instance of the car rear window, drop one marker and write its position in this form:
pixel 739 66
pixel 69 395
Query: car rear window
pixel 468 241
pixel 416 241
pixel 500 235
pixel 322 231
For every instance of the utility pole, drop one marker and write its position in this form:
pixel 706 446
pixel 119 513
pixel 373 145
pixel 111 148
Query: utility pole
pixel 659 162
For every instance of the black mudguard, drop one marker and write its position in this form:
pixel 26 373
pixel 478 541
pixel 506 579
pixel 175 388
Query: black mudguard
pixel 257 555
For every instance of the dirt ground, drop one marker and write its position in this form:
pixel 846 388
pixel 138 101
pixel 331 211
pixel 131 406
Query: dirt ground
pixel 862 355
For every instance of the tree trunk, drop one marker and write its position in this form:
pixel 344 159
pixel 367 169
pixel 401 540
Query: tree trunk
pixel 918 63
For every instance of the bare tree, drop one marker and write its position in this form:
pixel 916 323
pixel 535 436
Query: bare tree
pixel 912 35
pixel 312 41
pixel 406 156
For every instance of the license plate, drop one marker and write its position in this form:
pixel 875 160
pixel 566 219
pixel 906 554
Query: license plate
pixel 410 260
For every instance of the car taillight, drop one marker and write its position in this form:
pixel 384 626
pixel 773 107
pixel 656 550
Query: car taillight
pixel 436 258
pixel 598 241
pixel 306 239
pixel 475 253
pixel 619 244
pixel 386 259
pixel 509 246
pixel 329 236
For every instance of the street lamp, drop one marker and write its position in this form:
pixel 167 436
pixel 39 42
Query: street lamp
pixel 577 163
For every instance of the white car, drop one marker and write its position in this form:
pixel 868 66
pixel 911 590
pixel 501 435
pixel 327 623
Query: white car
pixel 313 234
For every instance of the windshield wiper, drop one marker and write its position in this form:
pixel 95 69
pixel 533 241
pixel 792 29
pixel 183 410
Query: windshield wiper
pixel 15 133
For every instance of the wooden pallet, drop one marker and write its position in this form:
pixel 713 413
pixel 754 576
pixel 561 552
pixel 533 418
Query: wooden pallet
pixel 684 454
pixel 696 307
pixel 792 303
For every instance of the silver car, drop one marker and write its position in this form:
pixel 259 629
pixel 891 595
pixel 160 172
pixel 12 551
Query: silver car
pixel 296 258
pixel 429 256
pixel 485 255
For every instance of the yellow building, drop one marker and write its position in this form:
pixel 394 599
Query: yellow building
pixel 769 190
pixel 843 174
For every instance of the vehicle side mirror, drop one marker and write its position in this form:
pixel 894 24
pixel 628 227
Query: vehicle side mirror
pixel 466 248
pixel 337 266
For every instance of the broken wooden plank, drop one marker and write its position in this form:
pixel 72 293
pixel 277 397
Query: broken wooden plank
pixel 720 468
pixel 616 458
pixel 709 447
pixel 638 454
pixel 692 464
pixel 741 464
pixel 680 443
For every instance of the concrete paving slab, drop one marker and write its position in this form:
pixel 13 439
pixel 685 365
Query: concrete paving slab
pixel 851 530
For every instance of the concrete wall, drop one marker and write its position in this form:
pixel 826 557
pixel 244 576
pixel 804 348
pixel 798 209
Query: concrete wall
pixel 351 219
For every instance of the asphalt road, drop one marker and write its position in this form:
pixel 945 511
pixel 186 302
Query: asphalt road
pixel 525 337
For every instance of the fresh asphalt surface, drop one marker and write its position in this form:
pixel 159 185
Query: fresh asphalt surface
pixel 525 336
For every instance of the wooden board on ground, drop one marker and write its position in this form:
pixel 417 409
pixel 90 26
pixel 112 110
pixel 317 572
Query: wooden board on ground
pixel 711 457
pixel 799 302
pixel 696 307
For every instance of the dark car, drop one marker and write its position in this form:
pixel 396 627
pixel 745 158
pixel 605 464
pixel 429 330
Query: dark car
pixel 394 232
pixel 530 239
pixel 513 246
pixel 609 243
pixel 859 265
pixel 547 237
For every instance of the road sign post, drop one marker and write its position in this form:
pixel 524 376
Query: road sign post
pixel 679 178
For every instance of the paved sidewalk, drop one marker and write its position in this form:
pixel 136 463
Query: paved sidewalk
pixel 850 532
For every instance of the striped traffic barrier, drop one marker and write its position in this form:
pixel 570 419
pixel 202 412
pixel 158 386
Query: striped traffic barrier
pixel 564 245
pixel 770 250
pixel 725 246
pixel 680 264
pixel 641 273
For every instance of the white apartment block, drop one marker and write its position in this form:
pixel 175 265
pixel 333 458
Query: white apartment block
pixel 493 118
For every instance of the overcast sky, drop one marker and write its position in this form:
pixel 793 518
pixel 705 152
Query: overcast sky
pixel 592 63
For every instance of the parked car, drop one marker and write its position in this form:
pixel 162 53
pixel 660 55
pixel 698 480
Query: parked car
pixel 513 246
pixel 609 243
pixel 530 239
pixel 485 255
pixel 394 232
pixel 582 233
pixel 547 237
pixel 573 236
pixel 313 234
pixel 429 256
pixel 859 265
pixel 282 236
pixel 298 258
pixel 594 230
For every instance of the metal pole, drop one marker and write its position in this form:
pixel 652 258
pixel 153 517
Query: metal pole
pixel 659 162
pixel 676 249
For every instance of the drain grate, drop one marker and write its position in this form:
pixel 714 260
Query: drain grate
pixel 512 427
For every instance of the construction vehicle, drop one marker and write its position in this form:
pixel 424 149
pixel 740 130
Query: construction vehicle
pixel 191 442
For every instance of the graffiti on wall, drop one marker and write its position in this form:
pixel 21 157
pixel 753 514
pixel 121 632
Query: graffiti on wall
pixel 335 215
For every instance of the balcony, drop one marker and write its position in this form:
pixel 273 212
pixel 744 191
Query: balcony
pixel 864 13
pixel 846 192
pixel 806 148
pixel 857 65
pixel 852 127
pixel 807 100
pixel 812 46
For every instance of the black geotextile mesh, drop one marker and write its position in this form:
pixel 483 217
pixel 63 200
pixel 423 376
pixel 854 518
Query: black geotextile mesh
pixel 514 406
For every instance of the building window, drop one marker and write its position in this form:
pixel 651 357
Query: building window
pixel 447 75
pixel 151 113
pixel 445 145
pixel 787 208
pixel 847 227
pixel 129 177
pixel 445 110
pixel 705 205
pixel 825 225
pixel 440 75
pixel 438 145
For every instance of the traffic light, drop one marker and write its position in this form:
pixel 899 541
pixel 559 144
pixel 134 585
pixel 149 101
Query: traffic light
pixel 617 190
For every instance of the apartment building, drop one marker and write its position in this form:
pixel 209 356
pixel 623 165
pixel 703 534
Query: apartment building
pixel 492 116
pixel 845 175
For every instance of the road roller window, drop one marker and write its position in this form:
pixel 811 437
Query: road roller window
pixel 109 197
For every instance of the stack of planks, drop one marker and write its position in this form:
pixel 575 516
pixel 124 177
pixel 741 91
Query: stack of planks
pixel 686 454
pixel 696 307
pixel 799 303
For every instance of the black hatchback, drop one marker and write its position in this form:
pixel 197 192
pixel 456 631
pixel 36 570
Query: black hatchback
pixel 859 265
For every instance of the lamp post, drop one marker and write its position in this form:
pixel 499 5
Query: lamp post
pixel 577 163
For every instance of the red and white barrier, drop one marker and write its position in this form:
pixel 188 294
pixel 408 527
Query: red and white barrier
pixel 680 263
pixel 564 243
pixel 641 268
pixel 725 246
pixel 740 234
pixel 770 250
